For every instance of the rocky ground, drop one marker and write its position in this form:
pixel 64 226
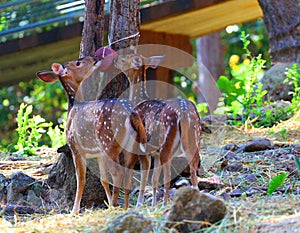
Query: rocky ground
pixel 237 166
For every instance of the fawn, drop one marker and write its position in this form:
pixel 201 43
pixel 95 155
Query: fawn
pixel 171 124
pixel 100 129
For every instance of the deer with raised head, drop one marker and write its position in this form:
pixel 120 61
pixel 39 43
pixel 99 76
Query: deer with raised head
pixel 170 124
pixel 100 129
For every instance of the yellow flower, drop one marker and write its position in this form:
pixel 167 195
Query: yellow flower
pixel 233 61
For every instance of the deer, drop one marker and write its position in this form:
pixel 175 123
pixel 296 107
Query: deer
pixel 99 129
pixel 172 124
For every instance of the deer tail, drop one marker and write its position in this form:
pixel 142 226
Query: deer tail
pixel 190 130
pixel 138 126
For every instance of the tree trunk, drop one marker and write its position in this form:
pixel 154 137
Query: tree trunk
pixel 210 63
pixel 92 39
pixel 124 23
pixel 282 20
pixel 62 179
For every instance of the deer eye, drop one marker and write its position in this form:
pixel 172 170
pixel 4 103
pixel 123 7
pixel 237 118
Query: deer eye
pixel 78 63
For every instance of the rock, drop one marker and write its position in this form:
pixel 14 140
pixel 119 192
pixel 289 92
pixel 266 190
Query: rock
pixel 131 222
pixel 191 208
pixel 230 147
pixel 273 82
pixel 258 145
pixel 236 193
pixel 214 120
pixel 181 182
pixel 234 167
pixel 296 148
pixel 2 180
pixel 18 187
pixel 210 183
pixel 251 178
pixel 33 199
pixel 3 190
pixel 225 196
pixel 230 156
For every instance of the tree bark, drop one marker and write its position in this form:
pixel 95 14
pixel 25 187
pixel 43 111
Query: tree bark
pixel 210 63
pixel 93 27
pixel 124 23
pixel 62 179
pixel 282 20
pixel 92 39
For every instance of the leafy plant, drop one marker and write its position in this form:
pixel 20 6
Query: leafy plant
pixel 243 91
pixel 31 129
pixel 293 78
pixel 297 162
pixel 244 94
pixel 276 182
pixel 57 135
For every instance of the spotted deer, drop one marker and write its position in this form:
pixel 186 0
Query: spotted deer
pixel 170 124
pixel 100 129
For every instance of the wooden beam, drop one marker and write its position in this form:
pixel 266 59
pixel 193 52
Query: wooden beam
pixel 208 19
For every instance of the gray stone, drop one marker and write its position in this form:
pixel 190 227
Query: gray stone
pixel 130 222
pixel 273 82
pixel 191 208
pixel 33 200
pixel 19 184
pixel 258 145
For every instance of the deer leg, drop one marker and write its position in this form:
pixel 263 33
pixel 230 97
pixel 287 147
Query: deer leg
pixel 104 177
pixel 193 169
pixel 117 177
pixel 145 168
pixel 155 177
pixel 116 170
pixel 129 160
pixel 165 158
pixel 80 170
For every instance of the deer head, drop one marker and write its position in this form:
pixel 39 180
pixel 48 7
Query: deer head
pixel 71 74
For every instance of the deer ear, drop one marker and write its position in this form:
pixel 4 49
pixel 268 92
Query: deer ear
pixel 154 61
pixel 57 68
pixel 47 76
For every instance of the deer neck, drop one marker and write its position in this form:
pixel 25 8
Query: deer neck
pixel 71 91
pixel 138 89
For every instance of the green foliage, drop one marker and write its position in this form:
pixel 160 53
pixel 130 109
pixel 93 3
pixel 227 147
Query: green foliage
pixel 258 38
pixel 244 94
pixel 293 78
pixel 49 101
pixel 276 182
pixel 202 108
pixel 31 129
pixel 243 91
pixel 297 162
pixel 57 135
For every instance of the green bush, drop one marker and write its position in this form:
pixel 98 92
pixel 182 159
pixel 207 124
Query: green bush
pixel 244 94
pixel 32 129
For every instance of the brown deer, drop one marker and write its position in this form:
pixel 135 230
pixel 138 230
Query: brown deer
pixel 100 129
pixel 170 124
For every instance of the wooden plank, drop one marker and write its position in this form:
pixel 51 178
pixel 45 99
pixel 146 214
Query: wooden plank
pixel 207 20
